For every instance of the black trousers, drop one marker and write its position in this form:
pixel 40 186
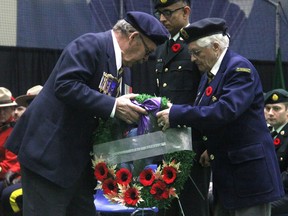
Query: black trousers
pixel 44 198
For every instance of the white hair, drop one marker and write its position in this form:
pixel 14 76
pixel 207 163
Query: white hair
pixel 123 26
pixel 222 40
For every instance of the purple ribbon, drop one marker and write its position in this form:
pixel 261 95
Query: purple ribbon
pixel 152 106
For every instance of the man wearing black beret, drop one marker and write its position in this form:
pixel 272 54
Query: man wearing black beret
pixel 178 79
pixel 53 137
pixel 228 111
pixel 276 113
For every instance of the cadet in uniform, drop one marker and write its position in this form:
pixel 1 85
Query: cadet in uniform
pixel 276 112
pixel 178 79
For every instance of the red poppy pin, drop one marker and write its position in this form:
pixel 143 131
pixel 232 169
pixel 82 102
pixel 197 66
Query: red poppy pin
pixel 176 47
pixel 277 141
pixel 209 91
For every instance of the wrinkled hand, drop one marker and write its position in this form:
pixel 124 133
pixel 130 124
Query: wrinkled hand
pixel 126 110
pixel 12 178
pixel 204 159
pixel 163 118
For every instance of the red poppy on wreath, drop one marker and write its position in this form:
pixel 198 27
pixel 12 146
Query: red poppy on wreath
pixel 147 177
pixel 277 141
pixel 176 47
pixel 159 190
pixel 101 171
pixel 209 91
pixel 169 174
pixel 132 196
pixel 109 186
pixel 123 176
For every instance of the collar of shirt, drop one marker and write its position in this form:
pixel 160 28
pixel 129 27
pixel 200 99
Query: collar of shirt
pixel 216 66
pixel 177 36
pixel 118 54
pixel 280 128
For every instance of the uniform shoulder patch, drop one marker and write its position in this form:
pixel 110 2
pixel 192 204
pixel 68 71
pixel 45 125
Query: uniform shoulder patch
pixel 247 70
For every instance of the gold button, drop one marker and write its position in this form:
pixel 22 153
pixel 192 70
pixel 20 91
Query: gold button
pixel 164 85
pixel 156 70
pixel 212 157
pixel 281 158
pixel 166 69
pixel 204 138
pixel 179 67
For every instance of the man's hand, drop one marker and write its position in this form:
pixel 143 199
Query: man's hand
pixel 163 119
pixel 126 110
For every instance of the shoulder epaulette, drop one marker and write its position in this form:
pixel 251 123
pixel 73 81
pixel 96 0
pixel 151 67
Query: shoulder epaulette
pixel 247 70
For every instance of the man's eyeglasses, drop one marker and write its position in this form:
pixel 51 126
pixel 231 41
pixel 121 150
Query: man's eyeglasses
pixel 195 53
pixel 147 50
pixel 166 13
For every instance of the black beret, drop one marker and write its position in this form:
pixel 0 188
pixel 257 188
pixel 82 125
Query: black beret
pixel 148 25
pixel 202 28
pixel 166 3
pixel 276 96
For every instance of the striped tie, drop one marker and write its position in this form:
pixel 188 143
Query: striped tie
pixel 210 76
pixel 119 77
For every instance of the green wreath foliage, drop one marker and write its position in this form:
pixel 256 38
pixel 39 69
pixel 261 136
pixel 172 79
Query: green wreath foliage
pixel 107 131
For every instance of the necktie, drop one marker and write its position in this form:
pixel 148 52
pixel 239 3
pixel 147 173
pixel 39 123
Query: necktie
pixel 210 76
pixel 119 78
pixel 274 133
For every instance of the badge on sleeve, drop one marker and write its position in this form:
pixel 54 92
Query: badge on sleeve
pixel 247 70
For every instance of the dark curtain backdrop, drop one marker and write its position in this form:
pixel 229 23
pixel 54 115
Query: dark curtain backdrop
pixel 22 68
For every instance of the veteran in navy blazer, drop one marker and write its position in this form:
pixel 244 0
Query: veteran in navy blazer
pixel 229 113
pixel 53 137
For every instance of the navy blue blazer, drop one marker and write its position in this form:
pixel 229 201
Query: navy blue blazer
pixel 53 137
pixel 229 114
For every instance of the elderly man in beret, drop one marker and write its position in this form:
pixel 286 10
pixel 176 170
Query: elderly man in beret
pixel 276 113
pixel 229 113
pixel 53 138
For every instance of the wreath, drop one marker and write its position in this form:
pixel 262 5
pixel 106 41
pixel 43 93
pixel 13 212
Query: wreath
pixel 149 187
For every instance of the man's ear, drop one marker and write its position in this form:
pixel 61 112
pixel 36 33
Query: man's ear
pixel 132 36
pixel 216 46
pixel 187 11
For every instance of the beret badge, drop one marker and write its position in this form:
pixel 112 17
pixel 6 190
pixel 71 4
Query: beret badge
pixel 163 1
pixel 184 34
pixel 275 97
